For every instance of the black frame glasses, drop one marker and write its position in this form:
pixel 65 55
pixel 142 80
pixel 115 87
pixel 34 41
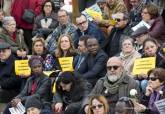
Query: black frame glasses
pixel 83 22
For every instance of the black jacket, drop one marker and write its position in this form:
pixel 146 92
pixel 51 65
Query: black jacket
pixel 43 91
pixel 94 67
pixel 75 97
pixel 8 78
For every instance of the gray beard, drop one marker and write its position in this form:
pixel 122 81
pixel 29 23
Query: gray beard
pixel 113 78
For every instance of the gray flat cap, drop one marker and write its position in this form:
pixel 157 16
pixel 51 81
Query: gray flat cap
pixel 139 31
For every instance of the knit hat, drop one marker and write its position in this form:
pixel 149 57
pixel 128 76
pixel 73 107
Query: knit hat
pixel 35 60
pixel 139 31
pixel 33 102
pixel 4 45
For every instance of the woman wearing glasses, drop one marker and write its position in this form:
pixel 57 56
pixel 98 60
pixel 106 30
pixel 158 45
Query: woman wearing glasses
pixel 98 105
pixel 155 91
pixel 150 49
pixel 150 14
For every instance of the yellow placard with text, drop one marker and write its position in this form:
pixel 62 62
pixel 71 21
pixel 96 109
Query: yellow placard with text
pixel 143 65
pixel 94 14
pixel 22 68
pixel 66 63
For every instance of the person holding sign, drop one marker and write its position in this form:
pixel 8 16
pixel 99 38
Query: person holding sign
pixel 150 49
pixel 65 48
pixel 155 91
pixel 9 83
pixel 37 85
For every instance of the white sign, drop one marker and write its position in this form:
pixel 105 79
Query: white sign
pixel 19 109
pixel 140 24
pixel 160 106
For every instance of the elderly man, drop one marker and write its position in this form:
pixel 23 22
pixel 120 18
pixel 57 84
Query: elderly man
pixel 86 27
pixel 115 84
pixel 65 27
pixel 94 65
pixel 9 82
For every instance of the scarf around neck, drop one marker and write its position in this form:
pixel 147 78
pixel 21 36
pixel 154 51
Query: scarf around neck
pixel 113 88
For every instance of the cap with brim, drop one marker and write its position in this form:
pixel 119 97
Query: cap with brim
pixel 139 31
pixel 4 45
pixel 99 1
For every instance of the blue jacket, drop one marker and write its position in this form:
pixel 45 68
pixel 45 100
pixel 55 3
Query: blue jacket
pixel 92 30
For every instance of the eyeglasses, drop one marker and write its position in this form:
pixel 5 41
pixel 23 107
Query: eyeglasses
pixel 83 22
pixel 152 78
pixel 114 67
pixel 97 106
pixel 118 20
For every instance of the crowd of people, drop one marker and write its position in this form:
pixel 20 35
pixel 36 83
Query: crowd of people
pixel 103 52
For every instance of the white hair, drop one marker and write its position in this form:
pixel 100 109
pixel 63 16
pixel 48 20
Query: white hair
pixel 6 20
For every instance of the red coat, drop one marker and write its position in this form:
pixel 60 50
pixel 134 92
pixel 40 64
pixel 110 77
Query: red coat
pixel 18 7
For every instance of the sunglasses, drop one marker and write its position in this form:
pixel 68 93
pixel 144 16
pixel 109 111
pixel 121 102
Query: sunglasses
pixel 118 20
pixel 152 78
pixel 95 106
pixel 114 67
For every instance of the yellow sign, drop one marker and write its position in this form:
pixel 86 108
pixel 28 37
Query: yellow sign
pixel 143 65
pixel 164 50
pixel 22 68
pixel 94 14
pixel 66 63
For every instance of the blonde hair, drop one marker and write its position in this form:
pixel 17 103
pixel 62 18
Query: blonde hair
pixel 59 51
pixel 101 99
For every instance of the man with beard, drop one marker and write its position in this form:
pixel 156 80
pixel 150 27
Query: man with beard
pixel 38 85
pixel 115 84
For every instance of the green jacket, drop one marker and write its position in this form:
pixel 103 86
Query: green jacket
pixel 19 44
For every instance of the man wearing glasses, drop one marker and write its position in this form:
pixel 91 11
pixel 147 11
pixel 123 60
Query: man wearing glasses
pixel 121 30
pixel 9 82
pixel 86 27
pixel 115 84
